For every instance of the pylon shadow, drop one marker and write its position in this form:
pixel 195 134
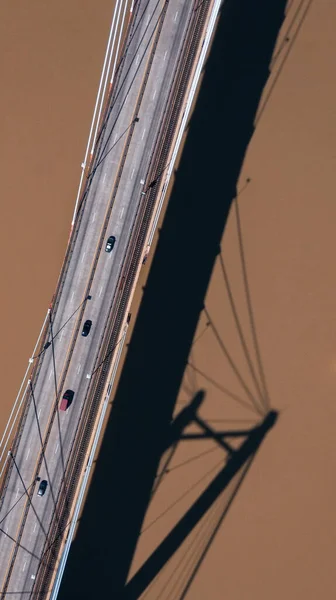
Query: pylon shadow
pixel 220 130
pixel 236 459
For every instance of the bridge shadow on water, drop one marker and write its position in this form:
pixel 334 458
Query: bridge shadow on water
pixel 219 133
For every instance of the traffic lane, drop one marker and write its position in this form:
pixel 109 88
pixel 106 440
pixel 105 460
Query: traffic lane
pixel 34 541
pixel 155 96
pixel 26 563
pixel 103 290
pixel 19 498
pixel 9 546
pixel 18 484
pixel 33 537
pixel 5 565
pixel 132 72
pixel 90 229
pixel 137 146
pixel 139 37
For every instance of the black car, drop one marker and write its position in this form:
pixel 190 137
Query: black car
pixel 86 328
pixel 42 487
pixel 110 244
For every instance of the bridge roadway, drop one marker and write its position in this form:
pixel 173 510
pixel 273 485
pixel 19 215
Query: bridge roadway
pixel 82 278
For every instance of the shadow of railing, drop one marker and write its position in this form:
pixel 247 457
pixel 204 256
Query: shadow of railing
pixel 219 133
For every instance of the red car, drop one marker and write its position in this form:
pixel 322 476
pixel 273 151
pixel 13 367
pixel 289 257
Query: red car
pixel 66 400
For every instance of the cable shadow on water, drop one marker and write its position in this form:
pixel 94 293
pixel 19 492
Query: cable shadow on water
pixel 290 44
pixel 224 390
pixel 233 365
pixel 196 550
pixel 220 130
pixel 265 394
pixel 239 326
pixel 217 525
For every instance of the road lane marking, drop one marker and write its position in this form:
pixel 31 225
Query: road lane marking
pixel 132 173
pixel 100 293
pixel 50 374
pixel 154 94
pixel 83 256
pixel 56 449
pixel 115 137
pixel 122 212
pixel 38 414
pixel 164 58
pixel 137 60
pixel 143 134
pixel 79 368
pixel 93 218
pixel 34 527
pixel 72 295
pixel 17 493
pixel 104 179
pixel 176 16
pixel 148 19
pixel 62 333
pixel 27 453
pixel 24 566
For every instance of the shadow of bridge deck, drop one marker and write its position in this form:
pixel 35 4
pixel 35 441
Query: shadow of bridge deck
pixel 219 133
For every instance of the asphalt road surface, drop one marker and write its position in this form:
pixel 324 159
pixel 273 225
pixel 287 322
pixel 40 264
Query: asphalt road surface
pixel 85 276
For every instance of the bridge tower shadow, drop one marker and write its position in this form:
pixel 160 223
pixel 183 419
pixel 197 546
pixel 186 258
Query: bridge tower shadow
pixel 219 133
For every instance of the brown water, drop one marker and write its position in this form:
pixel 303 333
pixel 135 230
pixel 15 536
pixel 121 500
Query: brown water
pixel 278 539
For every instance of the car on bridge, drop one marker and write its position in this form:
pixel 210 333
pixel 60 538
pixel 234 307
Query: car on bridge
pixel 66 400
pixel 42 487
pixel 86 328
pixel 110 243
